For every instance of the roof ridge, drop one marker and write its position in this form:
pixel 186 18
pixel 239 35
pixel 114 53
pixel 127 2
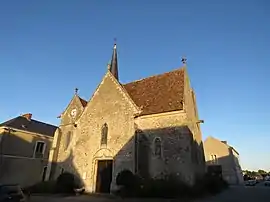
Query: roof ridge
pixel 43 122
pixel 8 121
pixel 20 116
pixel 174 70
pixel 33 125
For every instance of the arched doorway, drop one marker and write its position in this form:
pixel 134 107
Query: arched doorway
pixel 104 175
pixel 103 170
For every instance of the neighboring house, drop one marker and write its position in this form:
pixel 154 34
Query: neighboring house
pixel 150 127
pixel 24 150
pixel 220 153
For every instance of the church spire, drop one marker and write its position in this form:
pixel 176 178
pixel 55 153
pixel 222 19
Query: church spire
pixel 114 65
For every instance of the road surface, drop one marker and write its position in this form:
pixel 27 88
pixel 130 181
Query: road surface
pixel 258 193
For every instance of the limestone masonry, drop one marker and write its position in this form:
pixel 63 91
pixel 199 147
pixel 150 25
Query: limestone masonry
pixel 149 126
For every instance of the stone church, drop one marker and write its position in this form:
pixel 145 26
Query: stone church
pixel 149 126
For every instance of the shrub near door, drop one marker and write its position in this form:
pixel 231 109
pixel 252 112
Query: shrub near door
pixel 168 187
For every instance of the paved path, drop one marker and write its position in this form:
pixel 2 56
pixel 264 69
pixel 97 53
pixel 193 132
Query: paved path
pixel 257 193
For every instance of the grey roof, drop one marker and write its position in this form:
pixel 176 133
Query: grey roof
pixel 22 123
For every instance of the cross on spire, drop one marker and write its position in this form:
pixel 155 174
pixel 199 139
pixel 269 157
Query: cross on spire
pixel 76 91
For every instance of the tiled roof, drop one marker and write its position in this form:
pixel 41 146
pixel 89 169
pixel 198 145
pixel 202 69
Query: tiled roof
pixel 83 102
pixel 32 125
pixel 160 93
pixel 157 94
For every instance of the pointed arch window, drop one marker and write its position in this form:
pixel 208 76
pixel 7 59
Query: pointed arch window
pixel 68 139
pixel 157 147
pixel 104 135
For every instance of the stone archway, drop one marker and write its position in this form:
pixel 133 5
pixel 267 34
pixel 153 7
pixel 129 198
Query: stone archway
pixel 102 170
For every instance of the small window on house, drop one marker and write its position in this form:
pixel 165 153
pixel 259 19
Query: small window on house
pixel 104 135
pixel 68 139
pixel 62 170
pixel 44 173
pixel 39 149
pixel 214 159
pixel 157 147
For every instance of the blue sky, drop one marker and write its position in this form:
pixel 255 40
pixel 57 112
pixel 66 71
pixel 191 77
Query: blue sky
pixel 47 48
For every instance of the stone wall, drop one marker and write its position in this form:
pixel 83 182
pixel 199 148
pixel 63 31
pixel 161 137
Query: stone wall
pixel 191 110
pixel 176 141
pixel 21 143
pixel 22 171
pixel 18 165
pixel 112 106
pixel 225 158
pixel 60 154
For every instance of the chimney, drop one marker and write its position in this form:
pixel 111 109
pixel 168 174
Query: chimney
pixel 225 142
pixel 28 116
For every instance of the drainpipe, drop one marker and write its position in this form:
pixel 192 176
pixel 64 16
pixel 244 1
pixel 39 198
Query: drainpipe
pixel 136 153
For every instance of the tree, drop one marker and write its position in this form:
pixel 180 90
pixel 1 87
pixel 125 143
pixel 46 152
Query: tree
pixel 262 172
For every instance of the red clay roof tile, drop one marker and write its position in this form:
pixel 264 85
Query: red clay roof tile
pixel 160 93
pixel 157 94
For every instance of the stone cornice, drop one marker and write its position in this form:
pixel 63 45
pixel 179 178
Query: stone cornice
pixel 161 114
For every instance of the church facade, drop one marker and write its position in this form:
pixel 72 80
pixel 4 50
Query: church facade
pixel 150 127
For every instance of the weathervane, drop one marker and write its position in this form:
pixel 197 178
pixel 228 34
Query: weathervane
pixel 184 60
pixel 76 91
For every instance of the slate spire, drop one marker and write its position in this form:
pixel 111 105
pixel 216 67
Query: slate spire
pixel 114 65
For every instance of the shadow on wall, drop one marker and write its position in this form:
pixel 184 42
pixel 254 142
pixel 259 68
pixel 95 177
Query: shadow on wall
pixel 66 166
pixel 151 153
pixel 227 166
pixel 169 150
pixel 18 164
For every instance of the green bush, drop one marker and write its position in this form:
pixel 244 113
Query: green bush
pixel 65 183
pixel 132 185
pixel 215 184
pixel 128 182
pixel 125 178
pixel 209 184
pixel 169 187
